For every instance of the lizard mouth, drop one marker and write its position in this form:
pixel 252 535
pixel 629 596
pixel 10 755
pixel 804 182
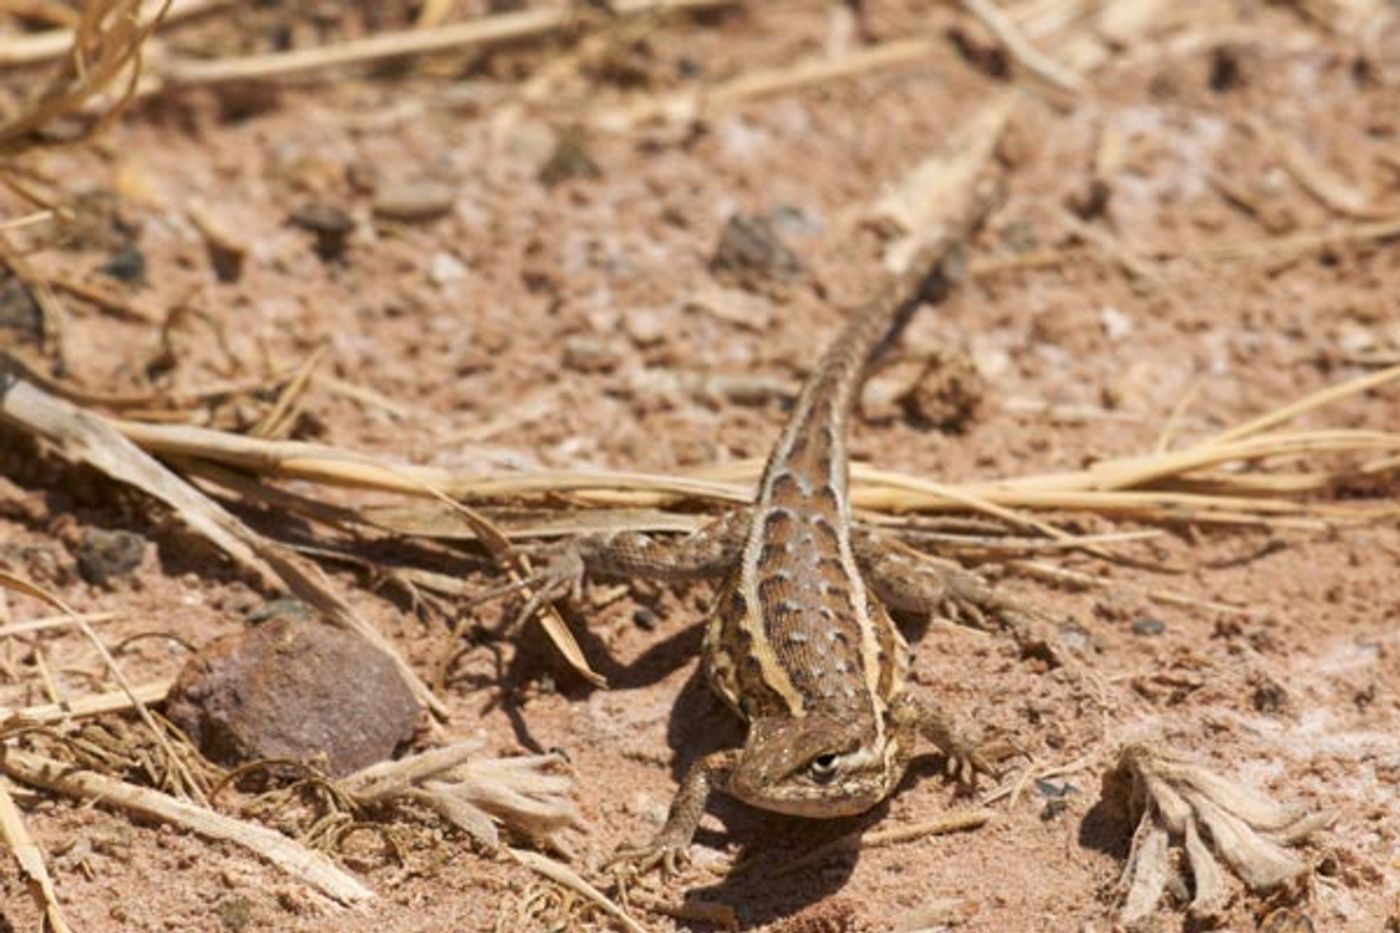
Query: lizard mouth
pixel 843 798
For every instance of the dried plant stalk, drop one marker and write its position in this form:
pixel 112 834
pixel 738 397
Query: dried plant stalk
pixel 16 837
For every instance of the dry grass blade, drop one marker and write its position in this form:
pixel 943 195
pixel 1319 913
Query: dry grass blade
pixel 290 856
pixel 31 861
pixel 106 42
pixel 84 436
pixel 20 585
pixel 1029 57
pixel 1287 248
pixel 113 701
pixel 1309 403
pixel 51 622
pixel 1165 486
pixel 333 466
pixel 562 874
pixel 518 569
pixel 687 106
pixel 477 33
pixel 45 46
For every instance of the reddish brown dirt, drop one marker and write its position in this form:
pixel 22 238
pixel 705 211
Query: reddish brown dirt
pixel 517 330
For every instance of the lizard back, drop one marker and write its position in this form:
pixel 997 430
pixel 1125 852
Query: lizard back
pixel 795 630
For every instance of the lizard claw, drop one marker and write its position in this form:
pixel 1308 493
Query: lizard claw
pixel 967 760
pixel 661 852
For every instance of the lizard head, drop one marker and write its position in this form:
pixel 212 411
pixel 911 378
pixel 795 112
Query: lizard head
pixel 814 765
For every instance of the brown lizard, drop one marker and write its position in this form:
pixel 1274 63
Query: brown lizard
pixel 799 642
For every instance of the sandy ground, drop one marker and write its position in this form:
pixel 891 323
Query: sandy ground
pixel 537 325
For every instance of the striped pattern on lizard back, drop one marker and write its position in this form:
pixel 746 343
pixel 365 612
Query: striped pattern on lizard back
pixel 795 630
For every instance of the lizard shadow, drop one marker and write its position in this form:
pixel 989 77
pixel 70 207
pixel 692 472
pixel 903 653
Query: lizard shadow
pixel 535 655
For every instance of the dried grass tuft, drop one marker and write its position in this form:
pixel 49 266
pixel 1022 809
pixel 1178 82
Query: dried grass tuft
pixel 105 49
pixel 1170 798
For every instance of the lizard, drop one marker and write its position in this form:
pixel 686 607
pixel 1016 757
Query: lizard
pixel 800 642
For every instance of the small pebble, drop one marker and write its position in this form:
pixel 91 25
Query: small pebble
pixel 794 220
pixel 331 224
pixel 1054 790
pixel 949 392
pixel 1286 920
pixel 1148 626
pixel 106 555
pixel 1269 697
pixel 236 914
pixel 284 607
pixel 1116 324
pixel 444 269
pixel 414 202
pixel 648 326
pixel 750 251
pixel 645 619
pixel 590 354
pixel 19 311
pixel 1227 72
pixel 127 264
pixel 569 160
pixel 1075 637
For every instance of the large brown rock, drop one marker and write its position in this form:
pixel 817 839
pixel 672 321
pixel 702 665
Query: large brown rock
pixel 292 688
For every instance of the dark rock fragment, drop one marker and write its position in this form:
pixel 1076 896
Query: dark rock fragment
pixel 750 253
pixel 330 224
pixel 106 555
pixel 1148 626
pixel 294 689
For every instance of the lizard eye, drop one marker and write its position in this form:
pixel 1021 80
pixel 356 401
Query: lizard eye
pixel 822 768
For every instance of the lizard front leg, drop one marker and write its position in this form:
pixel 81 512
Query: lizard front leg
pixel 911 718
pixel 707 552
pixel 669 848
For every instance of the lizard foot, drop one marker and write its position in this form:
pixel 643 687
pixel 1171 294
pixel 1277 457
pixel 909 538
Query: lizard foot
pixel 967 760
pixel 667 853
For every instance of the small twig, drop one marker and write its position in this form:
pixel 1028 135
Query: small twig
pixel 1021 49
pixel 1308 403
pixel 1324 185
pixel 1291 247
pixel 1088 581
pixel 107 299
pixel 54 43
pixel 690 105
pixel 113 701
pixel 285 406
